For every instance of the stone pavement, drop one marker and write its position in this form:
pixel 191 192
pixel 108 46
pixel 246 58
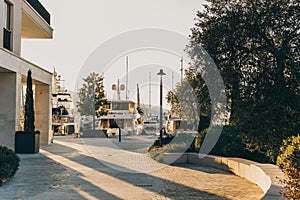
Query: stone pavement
pixel 95 168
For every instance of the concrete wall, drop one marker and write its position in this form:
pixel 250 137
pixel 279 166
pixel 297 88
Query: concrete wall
pixel 1 23
pixel 266 176
pixel 16 25
pixel 8 101
pixel 12 64
pixel 42 112
pixel 10 108
pixel 34 26
pixel 13 68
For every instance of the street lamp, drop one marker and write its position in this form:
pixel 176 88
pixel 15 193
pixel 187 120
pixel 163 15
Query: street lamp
pixel 94 102
pixel 119 87
pixel 161 73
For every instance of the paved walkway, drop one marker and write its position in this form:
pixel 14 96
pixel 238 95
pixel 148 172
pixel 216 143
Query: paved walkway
pixel 94 168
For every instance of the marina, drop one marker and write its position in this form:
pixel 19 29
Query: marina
pixel 63 117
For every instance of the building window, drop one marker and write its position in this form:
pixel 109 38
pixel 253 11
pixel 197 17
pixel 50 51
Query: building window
pixel 120 106
pixel 7 25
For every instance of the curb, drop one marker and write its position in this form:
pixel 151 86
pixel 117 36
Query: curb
pixel 266 176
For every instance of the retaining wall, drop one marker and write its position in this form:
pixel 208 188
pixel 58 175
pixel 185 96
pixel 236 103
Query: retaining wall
pixel 266 176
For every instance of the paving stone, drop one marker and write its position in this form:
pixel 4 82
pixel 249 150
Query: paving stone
pixel 95 168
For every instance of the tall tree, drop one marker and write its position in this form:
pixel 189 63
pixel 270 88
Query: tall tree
pixel 190 99
pixel 91 95
pixel 255 45
pixel 29 107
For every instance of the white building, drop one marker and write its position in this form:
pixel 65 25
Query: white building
pixel 22 19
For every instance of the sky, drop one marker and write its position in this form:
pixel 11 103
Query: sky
pixel 83 28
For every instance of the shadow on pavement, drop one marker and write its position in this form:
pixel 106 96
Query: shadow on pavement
pixel 138 180
pixel 39 177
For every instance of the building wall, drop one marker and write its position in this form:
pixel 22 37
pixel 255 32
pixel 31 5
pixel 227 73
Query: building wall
pixel 42 112
pixel 13 72
pixel 16 25
pixel 8 104
pixel 1 23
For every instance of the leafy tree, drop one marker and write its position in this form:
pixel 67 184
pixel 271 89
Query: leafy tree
pixel 29 109
pixel 255 45
pixel 174 103
pixel 91 95
pixel 190 99
pixel 289 162
pixel 195 80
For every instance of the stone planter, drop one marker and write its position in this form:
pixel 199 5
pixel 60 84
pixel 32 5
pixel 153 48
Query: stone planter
pixel 27 142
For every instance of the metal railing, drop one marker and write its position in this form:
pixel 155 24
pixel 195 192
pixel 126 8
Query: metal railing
pixel 40 9
pixel 6 39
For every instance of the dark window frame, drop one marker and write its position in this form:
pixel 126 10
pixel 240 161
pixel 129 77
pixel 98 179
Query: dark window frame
pixel 7 25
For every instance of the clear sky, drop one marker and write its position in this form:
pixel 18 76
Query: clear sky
pixel 81 26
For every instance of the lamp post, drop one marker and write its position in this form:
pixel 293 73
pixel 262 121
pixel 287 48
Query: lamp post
pixel 161 73
pixel 119 87
pixel 94 102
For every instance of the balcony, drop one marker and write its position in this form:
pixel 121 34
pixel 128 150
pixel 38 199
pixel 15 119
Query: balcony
pixel 40 9
pixel 10 62
pixel 35 20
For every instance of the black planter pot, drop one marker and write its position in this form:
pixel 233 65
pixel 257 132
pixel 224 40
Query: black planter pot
pixel 27 142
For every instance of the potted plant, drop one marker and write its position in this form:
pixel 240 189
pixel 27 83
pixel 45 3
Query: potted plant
pixel 28 141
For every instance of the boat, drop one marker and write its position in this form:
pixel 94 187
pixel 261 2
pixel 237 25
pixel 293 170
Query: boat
pixel 151 125
pixel 175 125
pixel 121 116
pixel 63 119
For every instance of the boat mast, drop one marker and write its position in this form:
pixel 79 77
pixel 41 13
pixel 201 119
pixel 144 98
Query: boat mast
pixel 150 94
pixel 172 81
pixel 126 77
pixel 118 90
pixel 138 96
pixel 181 68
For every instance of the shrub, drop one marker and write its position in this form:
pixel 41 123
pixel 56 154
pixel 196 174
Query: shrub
pixel 171 144
pixel 230 144
pixel 165 140
pixel 157 152
pixel 9 163
pixel 289 162
pixel 196 144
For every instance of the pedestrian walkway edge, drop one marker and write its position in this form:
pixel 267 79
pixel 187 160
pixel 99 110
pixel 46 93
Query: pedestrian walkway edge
pixel 266 176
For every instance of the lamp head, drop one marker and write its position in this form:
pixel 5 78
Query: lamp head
pixel 161 72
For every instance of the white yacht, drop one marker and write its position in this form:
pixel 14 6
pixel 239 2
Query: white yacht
pixel 63 119
pixel 120 114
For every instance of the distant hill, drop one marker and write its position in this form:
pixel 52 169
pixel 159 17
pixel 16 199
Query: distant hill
pixel 154 110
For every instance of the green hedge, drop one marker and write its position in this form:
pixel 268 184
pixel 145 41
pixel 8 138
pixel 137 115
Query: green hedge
pixel 9 163
pixel 171 144
pixel 230 144
pixel 289 162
